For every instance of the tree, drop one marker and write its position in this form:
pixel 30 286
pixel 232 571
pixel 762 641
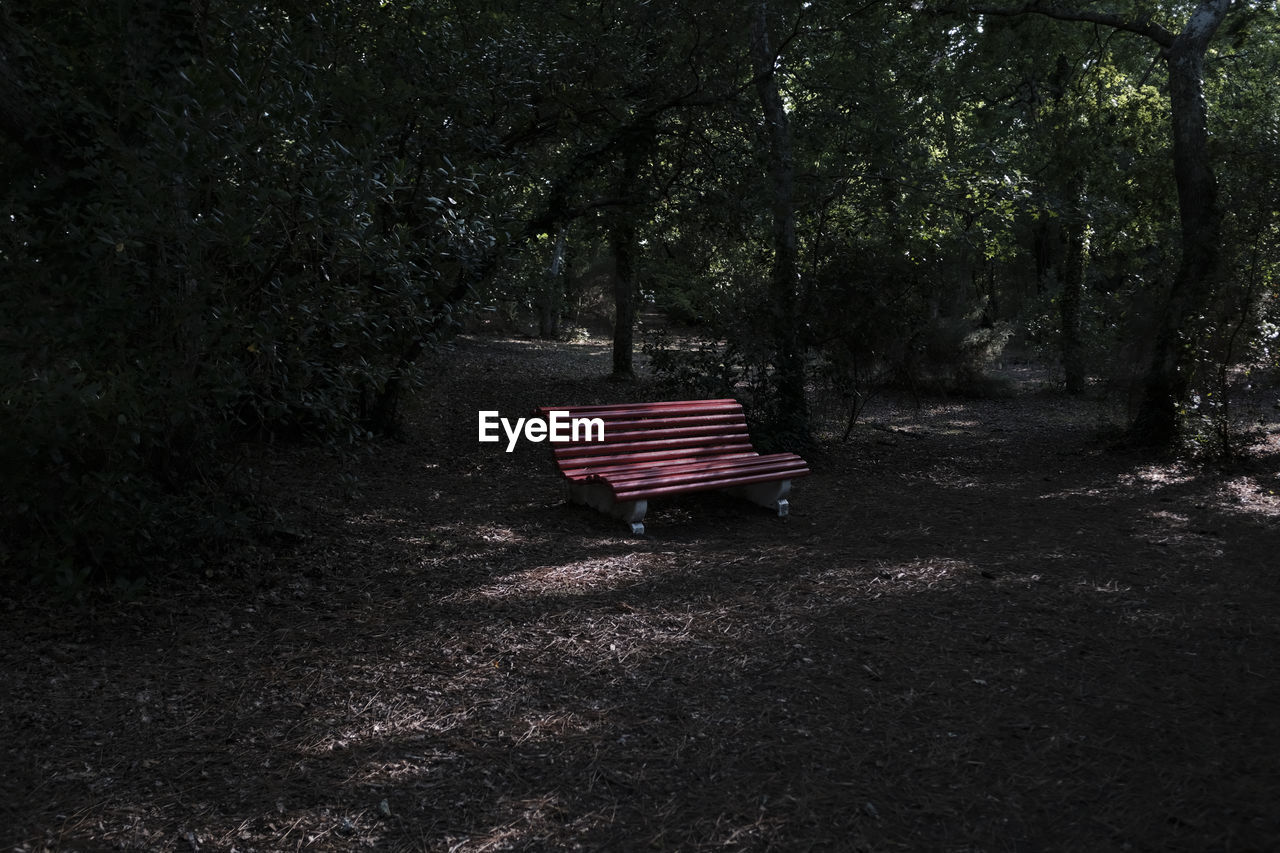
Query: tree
pixel 217 226
pixel 1192 289
pixel 791 405
pixel 624 247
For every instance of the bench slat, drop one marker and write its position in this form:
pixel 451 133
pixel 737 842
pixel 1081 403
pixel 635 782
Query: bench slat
pixel 694 445
pixel 685 463
pixel 630 482
pixel 673 461
pixel 577 469
pixel 620 437
pixel 646 409
pixel 663 471
pixel 704 485
pixel 708 423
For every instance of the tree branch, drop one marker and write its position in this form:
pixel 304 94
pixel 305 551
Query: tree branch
pixel 1142 26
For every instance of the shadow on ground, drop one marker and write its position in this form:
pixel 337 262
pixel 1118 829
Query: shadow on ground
pixel 989 634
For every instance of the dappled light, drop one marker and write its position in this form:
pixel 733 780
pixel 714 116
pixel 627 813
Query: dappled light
pixel 1252 495
pixel 587 577
pixel 453 658
pixel 919 575
pixel 1154 477
pixel 928 357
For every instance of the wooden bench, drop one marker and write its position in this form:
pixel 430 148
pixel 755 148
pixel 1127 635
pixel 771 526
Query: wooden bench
pixel 653 450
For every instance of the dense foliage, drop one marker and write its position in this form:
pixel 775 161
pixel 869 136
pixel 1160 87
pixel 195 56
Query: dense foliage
pixel 227 221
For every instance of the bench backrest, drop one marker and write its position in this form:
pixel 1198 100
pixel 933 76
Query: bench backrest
pixel 636 433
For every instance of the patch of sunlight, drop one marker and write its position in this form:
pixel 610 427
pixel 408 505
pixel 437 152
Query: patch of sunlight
pixel 553 726
pixel 1173 519
pixel 590 347
pixel 1247 496
pixel 579 578
pixel 927 573
pixel 451 536
pixel 425 728
pixel 934 422
pixel 406 769
pixel 495 534
pixel 1154 476
pixel 959 426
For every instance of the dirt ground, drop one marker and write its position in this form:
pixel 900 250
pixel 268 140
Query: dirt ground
pixel 981 629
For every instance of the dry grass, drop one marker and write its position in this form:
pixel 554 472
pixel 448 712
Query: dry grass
pixel 991 635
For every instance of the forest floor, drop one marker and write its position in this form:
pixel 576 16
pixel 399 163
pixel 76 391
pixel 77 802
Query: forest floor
pixel 980 629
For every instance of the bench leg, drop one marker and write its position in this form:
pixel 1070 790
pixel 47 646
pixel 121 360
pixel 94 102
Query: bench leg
pixel 598 496
pixel 771 495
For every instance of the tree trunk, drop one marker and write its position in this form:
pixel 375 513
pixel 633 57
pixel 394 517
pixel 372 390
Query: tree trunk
pixel 1069 313
pixel 622 242
pixel 1045 247
pixel 792 417
pixel 1164 387
pixel 549 301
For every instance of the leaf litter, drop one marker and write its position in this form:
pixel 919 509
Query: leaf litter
pixel 999 635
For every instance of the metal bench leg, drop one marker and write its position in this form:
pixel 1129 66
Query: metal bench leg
pixel 598 496
pixel 771 495
pixel 632 512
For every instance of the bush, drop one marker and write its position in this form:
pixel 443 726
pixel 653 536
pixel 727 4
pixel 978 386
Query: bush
pixel 203 256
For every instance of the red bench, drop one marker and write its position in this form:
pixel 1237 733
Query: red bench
pixel 652 450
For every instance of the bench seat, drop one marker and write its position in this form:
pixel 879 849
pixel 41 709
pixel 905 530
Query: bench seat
pixel 655 450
